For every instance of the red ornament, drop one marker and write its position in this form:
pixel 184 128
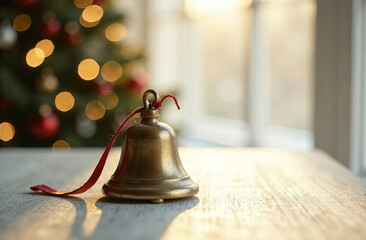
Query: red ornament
pixel 44 127
pixel 25 4
pixel 136 85
pixel 74 38
pixel 50 28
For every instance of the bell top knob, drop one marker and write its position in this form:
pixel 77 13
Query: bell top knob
pixel 149 114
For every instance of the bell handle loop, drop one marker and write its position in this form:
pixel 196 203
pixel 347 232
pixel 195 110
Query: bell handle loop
pixel 146 101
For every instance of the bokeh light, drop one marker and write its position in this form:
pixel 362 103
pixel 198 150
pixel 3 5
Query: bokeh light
pixel 61 144
pixel 35 57
pixel 92 13
pixel 45 110
pixel 22 22
pixel 88 69
pixel 7 131
pixel 64 101
pixel 46 46
pixel 47 82
pixel 50 83
pixel 87 24
pixel 115 32
pixel 109 99
pixel 95 110
pixel 82 3
pixel 111 71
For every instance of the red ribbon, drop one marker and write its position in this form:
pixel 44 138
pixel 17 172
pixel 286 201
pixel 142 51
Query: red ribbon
pixel 99 168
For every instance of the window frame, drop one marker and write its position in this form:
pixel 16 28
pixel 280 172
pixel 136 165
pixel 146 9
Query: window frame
pixel 340 90
pixel 358 97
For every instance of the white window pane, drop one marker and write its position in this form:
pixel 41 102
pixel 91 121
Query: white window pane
pixel 290 29
pixel 164 55
pixel 224 58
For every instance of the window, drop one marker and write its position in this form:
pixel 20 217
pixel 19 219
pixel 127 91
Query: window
pixel 244 69
pixel 263 73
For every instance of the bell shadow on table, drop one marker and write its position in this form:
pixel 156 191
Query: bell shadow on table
pixel 78 203
pixel 133 219
pixel 124 218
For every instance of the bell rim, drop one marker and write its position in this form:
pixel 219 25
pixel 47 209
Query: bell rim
pixel 143 193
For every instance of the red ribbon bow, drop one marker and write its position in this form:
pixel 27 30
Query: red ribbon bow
pixel 99 168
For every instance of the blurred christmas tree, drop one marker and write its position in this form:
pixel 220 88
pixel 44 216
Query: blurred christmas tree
pixel 66 76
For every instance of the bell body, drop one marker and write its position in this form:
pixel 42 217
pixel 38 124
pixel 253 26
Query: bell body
pixel 150 166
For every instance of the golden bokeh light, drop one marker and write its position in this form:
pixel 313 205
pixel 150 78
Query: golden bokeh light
pixel 35 57
pixel 61 144
pixel 87 24
pixel 111 71
pixel 92 13
pixel 46 46
pixel 7 131
pixel 64 101
pixel 22 22
pixel 88 69
pixel 82 3
pixel 95 110
pixel 115 32
pixel 50 83
pixel 109 99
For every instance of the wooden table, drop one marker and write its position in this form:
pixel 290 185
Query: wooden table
pixel 244 194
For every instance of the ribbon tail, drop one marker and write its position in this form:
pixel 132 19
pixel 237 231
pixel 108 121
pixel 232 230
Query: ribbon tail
pixel 160 103
pixel 97 171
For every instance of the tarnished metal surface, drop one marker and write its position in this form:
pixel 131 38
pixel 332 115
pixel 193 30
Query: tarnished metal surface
pixel 150 166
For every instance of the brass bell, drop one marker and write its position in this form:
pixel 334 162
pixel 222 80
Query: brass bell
pixel 150 166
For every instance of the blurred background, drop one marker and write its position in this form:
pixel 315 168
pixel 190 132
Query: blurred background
pixel 268 73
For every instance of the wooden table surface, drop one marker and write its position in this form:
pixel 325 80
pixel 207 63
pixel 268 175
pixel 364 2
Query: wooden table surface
pixel 244 194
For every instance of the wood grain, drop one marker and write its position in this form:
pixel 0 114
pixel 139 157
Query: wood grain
pixel 244 194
